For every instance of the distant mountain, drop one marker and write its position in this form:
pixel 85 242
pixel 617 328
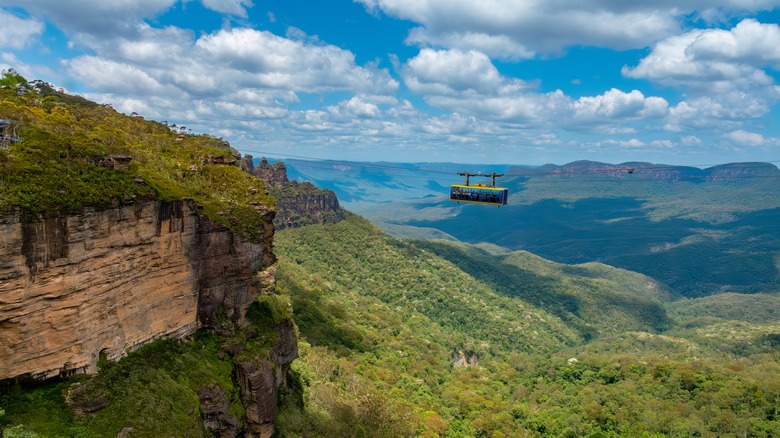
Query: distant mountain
pixel 649 171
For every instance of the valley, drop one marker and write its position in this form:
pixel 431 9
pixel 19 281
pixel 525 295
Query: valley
pixel 699 231
pixel 250 302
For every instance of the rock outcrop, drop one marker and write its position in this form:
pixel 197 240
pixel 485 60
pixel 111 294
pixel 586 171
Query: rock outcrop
pixel 257 375
pixel 275 176
pixel 297 204
pixel 216 418
pixel 305 204
pixel 75 287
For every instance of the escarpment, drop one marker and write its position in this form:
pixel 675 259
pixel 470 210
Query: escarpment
pixel 105 282
pixel 111 238
pixel 297 204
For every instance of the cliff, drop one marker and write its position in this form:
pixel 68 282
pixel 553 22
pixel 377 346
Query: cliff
pixel 297 204
pixel 105 282
pixel 113 238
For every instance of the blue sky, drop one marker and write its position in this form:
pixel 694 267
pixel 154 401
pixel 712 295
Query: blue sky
pixel 515 81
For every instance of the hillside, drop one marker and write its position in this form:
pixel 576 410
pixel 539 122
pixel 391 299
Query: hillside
pixel 593 297
pixel 118 232
pixel 76 153
pixel 127 238
pixel 399 341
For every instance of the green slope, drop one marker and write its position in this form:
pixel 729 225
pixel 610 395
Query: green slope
pixel 592 297
pixel 75 153
pixel 356 257
pixel 388 325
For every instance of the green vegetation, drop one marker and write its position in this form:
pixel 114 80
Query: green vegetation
pixel 398 337
pixel 757 308
pixel 382 356
pixel 153 390
pixel 713 202
pixel 594 298
pixel 75 153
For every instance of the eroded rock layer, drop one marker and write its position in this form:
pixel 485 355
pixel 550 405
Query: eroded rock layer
pixel 79 286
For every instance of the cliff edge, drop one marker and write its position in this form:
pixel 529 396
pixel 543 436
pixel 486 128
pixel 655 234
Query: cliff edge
pixel 116 231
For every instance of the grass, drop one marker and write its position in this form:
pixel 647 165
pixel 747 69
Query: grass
pixel 63 163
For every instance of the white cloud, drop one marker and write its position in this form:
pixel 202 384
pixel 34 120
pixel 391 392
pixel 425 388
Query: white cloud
pixel 726 111
pixel 497 46
pixel 17 32
pixel 691 140
pixel 615 104
pixel 231 79
pixel 713 60
pixel 262 59
pixel 662 144
pixel 468 83
pixel 249 111
pixel 91 19
pixel 719 70
pixel 232 7
pixel 517 29
pixel 745 138
pixel 115 77
pixel 356 107
pixel 749 42
pixel 452 72
pixel 88 22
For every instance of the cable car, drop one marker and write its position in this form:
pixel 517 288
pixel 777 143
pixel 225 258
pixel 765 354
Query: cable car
pixel 479 193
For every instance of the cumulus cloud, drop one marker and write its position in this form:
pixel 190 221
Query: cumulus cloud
pixel 749 42
pixel 452 72
pixel 615 104
pixel 262 59
pixel 249 62
pixel 713 59
pixel 726 111
pixel 89 21
pixel 17 32
pixel 232 80
pixel 691 140
pixel 356 107
pixel 94 18
pixel 115 77
pixel 522 28
pixel 232 7
pixel 468 83
pixel 745 138
pixel 720 70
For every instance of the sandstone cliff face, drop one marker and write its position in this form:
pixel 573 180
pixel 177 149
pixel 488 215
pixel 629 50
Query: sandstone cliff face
pixel 303 205
pixel 78 286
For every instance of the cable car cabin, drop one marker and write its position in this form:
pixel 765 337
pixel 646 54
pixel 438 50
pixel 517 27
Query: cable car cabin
pixel 479 194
